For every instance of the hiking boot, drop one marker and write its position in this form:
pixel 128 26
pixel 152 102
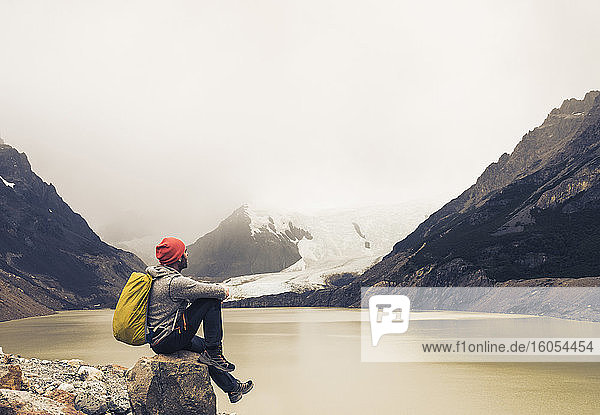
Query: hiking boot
pixel 215 358
pixel 241 389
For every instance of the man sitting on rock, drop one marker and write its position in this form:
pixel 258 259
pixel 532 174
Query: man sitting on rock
pixel 176 307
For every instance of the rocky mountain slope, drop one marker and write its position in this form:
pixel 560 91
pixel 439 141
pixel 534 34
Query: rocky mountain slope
pixel 50 259
pixel 532 218
pixel 245 244
pixel 535 213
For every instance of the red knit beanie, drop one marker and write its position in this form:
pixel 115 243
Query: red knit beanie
pixel 170 250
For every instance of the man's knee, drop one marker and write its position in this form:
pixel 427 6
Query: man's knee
pixel 201 301
pixel 197 344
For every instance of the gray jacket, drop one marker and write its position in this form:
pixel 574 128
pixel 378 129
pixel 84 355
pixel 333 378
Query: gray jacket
pixel 170 295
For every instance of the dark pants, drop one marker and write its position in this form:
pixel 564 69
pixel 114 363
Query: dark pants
pixel 207 310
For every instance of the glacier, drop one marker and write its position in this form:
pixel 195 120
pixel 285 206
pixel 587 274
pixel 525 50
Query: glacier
pixel 343 241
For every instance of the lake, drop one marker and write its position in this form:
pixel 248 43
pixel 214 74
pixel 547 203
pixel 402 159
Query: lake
pixel 308 361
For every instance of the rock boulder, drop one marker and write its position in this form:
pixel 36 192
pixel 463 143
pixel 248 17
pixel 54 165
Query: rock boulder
pixel 11 377
pixel 173 384
pixel 92 398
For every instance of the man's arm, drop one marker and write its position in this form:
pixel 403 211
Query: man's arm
pixel 185 288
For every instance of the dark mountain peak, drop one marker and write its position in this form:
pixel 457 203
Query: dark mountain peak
pixel 574 106
pixel 242 210
pixel 246 242
pixel 48 253
pixel 533 213
pixel 14 165
pixel 41 198
pixel 256 222
pixel 534 151
pixel 238 219
pixel 542 143
pixel 240 213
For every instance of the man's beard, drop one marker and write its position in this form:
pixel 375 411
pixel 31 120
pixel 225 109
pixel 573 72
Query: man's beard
pixel 183 262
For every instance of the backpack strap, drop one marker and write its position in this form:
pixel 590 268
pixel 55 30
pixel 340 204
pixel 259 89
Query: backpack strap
pixel 162 273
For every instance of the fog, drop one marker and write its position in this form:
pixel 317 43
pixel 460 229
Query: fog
pixel 155 117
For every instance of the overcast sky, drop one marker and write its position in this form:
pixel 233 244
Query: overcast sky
pixel 168 115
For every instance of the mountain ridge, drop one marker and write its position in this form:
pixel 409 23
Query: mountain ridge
pixel 50 259
pixel 551 166
pixel 245 243
pixel 526 157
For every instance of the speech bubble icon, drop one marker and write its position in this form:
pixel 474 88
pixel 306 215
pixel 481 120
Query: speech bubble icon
pixel 388 314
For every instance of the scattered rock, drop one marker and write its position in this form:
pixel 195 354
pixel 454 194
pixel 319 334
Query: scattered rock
pixel 63 397
pixel 173 384
pixel 92 399
pixel 49 391
pixel 74 362
pixel 61 381
pixel 67 387
pixel 119 405
pixel 26 403
pixel 118 399
pixel 11 377
pixel 89 373
pixel 119 368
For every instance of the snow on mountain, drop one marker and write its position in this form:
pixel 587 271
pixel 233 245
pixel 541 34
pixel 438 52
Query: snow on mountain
pixel 7 183
pixel 339 241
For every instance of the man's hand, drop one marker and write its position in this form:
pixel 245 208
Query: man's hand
pixel 226 291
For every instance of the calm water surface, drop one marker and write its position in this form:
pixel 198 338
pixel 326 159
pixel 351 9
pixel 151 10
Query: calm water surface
pixel 307 361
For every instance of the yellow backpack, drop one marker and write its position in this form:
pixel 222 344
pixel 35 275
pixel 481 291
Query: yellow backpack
pixel 129 319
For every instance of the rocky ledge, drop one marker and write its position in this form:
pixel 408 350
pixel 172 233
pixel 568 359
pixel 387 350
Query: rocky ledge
pixel 174 384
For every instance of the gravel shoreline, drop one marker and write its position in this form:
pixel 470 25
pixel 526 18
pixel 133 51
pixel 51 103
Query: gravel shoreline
pixel 97 390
